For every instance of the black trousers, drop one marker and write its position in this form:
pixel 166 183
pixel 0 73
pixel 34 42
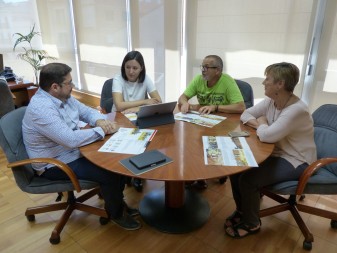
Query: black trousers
pixel 111 184
pixel 246 185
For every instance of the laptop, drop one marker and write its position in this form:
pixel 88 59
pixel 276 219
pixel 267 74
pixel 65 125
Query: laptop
pixel 156 114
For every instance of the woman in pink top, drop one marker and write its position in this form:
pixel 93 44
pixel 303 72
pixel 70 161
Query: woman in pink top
pixel 283 119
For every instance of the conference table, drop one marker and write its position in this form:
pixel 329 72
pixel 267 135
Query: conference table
pixel 177 209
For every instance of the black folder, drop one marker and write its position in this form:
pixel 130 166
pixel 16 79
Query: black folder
pixel 146 161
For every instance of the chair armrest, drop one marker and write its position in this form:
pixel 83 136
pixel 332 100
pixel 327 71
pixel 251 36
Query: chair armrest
pixel 310 170
pixel 57 163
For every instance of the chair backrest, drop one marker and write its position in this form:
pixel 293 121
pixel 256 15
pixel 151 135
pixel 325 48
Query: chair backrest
pixel 324 181
pixel 325 124
pixel 6 99
pixel 106 102
pixel 12 145
pixel 247 92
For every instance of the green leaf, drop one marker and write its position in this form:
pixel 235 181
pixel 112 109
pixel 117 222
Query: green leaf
pixel 32 56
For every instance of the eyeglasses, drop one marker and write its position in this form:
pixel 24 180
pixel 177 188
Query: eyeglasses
pixel 70 83
pixel 205 68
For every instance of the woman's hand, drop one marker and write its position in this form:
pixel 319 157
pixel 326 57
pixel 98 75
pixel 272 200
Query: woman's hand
pixel 262 120
pixel 131 110
pixel 152 101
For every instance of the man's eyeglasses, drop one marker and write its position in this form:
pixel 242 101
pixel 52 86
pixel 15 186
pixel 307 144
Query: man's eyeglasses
pixel 205 68
pixel 69 84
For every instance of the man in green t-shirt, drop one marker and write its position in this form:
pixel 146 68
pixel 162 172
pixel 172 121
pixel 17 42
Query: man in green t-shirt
pixel 215 91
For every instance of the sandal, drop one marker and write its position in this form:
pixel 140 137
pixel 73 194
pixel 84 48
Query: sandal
pixel 242 226
pixel 233 219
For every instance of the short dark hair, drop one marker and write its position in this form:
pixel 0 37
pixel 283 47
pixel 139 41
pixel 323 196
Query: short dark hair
pixel 53 73
pixel 284 71
pixel 217 59
pixel 134 55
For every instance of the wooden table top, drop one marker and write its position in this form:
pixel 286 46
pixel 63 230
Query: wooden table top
pixel 181 141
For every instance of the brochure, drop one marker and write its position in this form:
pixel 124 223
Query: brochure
pixel 220 150
pixel 129 141
pixel 207 120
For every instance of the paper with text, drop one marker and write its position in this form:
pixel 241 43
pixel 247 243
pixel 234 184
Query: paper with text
pixel 220 150
pixel 128 141
pixel 207 120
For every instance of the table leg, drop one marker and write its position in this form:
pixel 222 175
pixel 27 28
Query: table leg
pixel 174 210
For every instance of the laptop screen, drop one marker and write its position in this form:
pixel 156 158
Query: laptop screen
pixel 156 109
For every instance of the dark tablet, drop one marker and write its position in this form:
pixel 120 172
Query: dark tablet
pixel 147 159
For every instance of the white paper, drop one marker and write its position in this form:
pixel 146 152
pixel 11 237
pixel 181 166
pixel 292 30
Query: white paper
pixel 221 150
pixel 131 116
pixel 207 120
pixel 128 141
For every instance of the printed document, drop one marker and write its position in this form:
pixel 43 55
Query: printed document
pixel 129 141
pixel 221 150
pixel 207 120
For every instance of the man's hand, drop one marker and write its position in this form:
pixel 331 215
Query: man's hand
pixel 108 126
pixel 185 107
pixel 207 109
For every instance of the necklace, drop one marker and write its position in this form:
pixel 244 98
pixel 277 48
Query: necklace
pixel 275 108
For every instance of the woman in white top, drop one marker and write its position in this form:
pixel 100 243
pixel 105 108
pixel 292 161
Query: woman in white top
pixel 132 88
pixel 283 119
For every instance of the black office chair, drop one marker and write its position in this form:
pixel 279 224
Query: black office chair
pixel 319 178
pixel 106 101
pixel 247 92
pixel 248 97
pixel 11 142
pixel 6 98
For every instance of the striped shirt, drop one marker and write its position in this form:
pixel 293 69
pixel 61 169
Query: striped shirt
pixel 51 129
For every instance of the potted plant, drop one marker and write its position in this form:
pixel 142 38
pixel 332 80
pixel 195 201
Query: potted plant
pixel 33 56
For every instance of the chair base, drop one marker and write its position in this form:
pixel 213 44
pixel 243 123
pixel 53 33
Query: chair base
pixel 294 207
pixel 69 206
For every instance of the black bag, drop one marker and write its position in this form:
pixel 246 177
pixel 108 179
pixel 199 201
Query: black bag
pixel 8 74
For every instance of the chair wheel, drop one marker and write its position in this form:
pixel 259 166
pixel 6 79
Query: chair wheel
pixel 30 217
pixel 103 221
pixel 222 180
pixel 307 245
pixel 55 240
pixel 333 224
pixel 302 197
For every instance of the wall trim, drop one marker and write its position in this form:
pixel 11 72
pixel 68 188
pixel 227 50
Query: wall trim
pixel 91 100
